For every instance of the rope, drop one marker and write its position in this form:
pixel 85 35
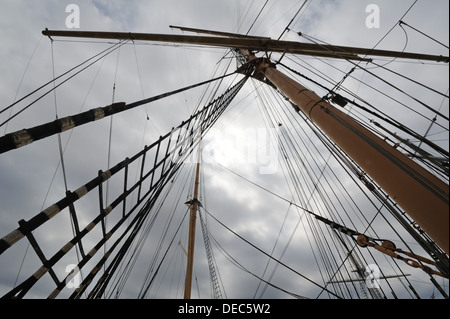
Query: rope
pixel 271 253
pixel 61 154
pixel 404 23
pixel 268 255
pixel 390 30
pixel 254 21
pixel 240 266
pixel 384 81
pixel 111 49
pixel 293 18
pixel 21 80
pixel 23 137
pixel 409 79
pixel 379 114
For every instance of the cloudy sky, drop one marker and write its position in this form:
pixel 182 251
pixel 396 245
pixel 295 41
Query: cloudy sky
pixel 31 178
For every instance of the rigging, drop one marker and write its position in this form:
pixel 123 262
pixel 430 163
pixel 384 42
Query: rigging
pixel 104 52
pixel 308 179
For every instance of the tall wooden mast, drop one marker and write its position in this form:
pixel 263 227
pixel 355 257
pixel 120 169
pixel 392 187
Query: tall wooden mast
pixel 421 194
pixel 193 204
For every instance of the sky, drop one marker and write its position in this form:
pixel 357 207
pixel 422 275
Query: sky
pixel 31 178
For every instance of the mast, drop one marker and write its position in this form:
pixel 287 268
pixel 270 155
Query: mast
pixel 192 225
pixel 421 194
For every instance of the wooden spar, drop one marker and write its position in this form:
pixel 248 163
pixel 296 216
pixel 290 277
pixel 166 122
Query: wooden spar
pixel 192 225
pixel 421 194
pixel 250 43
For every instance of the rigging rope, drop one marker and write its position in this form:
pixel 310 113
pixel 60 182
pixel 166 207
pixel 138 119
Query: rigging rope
pixel 409 79
pixel 404 23
pixel 316 41
pixel 379 114
pixel 268 255
pixel 373 88
pixel 240 266
pixel 213 270
pixel 260 11
pixel 175 155
pixel 293 18
pixel 271 253
pixel 147 282
pixel 220 105
pixel 73 221
pixel 144 292
pixel 258 185
pixel 322 246
pixel 427 270
pixel 61 155
pixel 20 83
pixel 111 49
pixel 23 137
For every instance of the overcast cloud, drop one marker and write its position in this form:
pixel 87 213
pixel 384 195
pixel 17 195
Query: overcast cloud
pixel 142 70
